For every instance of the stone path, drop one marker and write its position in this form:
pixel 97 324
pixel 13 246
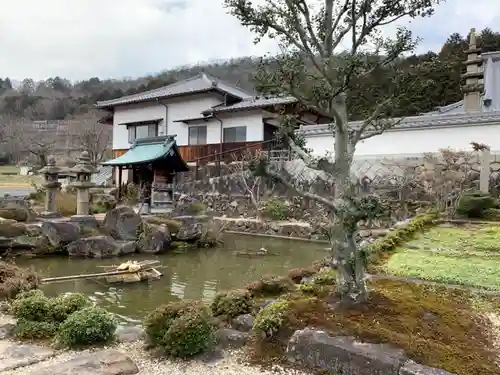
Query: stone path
pixel 31 359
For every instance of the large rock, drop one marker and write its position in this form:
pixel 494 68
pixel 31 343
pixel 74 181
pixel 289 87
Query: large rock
pixel 7 329
pixel 154 240
pixel 190 232
pixel 343 355
pixel 94 247
pixel 243 323
pixel 129 333
pixel 5 243
pixel 412 368
pixel 104 362
pixel 127 247
pixel 230 338
pixel 11 228
pixel 38 244
pixel 13 356
pixel 60 233
pixel 15 212
pixel 122 223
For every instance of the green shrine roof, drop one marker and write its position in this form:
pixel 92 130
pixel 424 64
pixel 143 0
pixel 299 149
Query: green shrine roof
pixel 148 150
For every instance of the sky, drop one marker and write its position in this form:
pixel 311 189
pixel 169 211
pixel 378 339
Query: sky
pixel 79 39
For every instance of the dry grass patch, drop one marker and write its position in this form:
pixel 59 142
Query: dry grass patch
pixel 66 203
pixel 14 279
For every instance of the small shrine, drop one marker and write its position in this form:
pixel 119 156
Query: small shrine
pixel 155 162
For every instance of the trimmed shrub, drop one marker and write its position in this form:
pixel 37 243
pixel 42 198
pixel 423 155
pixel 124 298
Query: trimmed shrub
pixel 29 330
pixel 182 329
pixel 492 214
pixel 393 239
pixel 325 277
pixel 270 286
pixel 272 318
pixel 91 325
pixel 65 305
pixel 196 208
pixel 32 306
pixel 190 334
pixel 274 209
pixel 159 321
pixel 311 289
pixel 232 304
pixel 297 274
pixel 474 203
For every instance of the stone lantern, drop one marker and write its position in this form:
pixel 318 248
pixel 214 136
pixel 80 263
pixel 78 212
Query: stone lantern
pixel 51 183
pixel 82 183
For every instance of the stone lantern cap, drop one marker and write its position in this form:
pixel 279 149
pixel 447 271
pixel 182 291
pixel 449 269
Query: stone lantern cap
pixel 83 165
pixel 50 168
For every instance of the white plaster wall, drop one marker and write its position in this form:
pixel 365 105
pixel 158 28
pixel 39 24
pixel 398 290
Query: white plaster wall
pixel 183 108
pixel 252 120
pixel 415 142
pixel 177 109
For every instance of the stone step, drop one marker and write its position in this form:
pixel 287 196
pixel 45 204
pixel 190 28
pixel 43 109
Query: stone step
pixel 29 359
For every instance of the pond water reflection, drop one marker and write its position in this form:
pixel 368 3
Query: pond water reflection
pixel 196 274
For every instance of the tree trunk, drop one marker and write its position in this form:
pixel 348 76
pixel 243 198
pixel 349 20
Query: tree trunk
pixel 351 275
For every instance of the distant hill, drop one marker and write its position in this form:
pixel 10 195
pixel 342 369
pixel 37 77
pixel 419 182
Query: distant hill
pixel 58 99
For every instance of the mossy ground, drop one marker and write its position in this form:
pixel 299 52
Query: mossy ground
pixel 437 327
pixel 468 255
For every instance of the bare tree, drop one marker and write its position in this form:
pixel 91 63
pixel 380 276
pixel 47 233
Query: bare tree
pixel 41 146
pixel 90 135
pixel 253 185
pixel 314 70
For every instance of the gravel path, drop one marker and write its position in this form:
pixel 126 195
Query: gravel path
pixel 226 363
pixel 229 364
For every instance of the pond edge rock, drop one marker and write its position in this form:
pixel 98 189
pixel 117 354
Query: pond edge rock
pixel 344 355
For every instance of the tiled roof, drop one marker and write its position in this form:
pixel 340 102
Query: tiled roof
pixel 197 84
pixel 420 122
pixel 250 103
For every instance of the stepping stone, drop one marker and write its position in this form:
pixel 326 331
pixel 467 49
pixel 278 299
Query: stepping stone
pixel 104 362
pixel 13 356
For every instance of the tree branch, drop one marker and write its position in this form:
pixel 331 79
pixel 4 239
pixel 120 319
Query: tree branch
pixel 331 204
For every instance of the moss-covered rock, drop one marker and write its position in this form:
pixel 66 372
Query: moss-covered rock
pixel 270 286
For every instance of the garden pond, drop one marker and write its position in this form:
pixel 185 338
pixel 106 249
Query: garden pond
pixel 191 274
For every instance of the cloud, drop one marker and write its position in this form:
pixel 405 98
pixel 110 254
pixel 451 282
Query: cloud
pixel 79 39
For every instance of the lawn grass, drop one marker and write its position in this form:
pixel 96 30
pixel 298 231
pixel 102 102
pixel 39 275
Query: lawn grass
pixel 8 169
pixel 467 255
pixel 435 326
pixel 8 178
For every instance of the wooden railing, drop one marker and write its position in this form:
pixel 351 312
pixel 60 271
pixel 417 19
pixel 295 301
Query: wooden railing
pixel 230 152
pixel 212 152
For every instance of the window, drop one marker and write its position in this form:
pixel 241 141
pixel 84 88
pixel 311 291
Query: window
pixel 236 134
pixel 142 131
pixel 197 135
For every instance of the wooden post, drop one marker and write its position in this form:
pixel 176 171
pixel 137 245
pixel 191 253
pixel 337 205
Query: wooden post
pixel 173 188
pixel 119 182
pixel 484 176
